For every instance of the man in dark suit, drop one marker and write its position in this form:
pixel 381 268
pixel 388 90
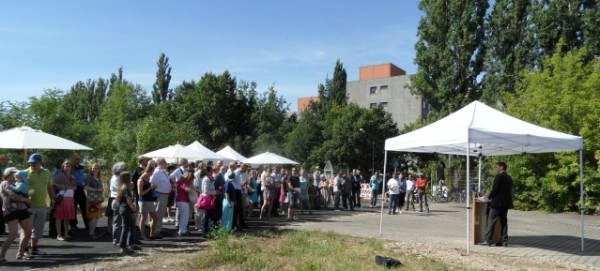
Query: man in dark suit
pixel 501 200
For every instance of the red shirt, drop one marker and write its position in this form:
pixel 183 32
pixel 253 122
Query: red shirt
pixel 182 195
pixel 421 184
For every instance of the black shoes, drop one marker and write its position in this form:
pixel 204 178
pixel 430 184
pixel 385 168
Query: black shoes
pixel 500 244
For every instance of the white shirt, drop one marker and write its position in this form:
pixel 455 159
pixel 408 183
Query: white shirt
pixel 394 186
pixel 114 186
pixel 176 175
pixel 316 178
pixel 335 184
pixel 410 185
pixel 160 178
pixel 243 177
pixel 263 177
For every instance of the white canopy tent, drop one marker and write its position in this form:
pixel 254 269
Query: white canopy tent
pixel 268 158
pixel 229 153
pixel 479 129
pixel 205 153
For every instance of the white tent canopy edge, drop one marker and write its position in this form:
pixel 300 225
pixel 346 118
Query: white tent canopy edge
pixel 478 128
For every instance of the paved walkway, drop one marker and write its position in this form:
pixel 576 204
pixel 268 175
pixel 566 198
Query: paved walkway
pixel 548 237
pixel 540 235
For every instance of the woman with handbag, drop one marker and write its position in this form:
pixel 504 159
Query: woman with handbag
pixel 65 210
pixel 209 192
pixel 93 187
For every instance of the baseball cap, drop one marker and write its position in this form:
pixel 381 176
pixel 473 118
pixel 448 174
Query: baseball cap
pixel 35 158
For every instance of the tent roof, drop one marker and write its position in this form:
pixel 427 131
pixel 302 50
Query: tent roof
pixel 206 154
pixel 484 128
pixel 230 153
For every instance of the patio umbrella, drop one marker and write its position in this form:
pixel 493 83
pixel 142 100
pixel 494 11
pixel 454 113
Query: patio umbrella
pixel 269 158
pixel 25 138
pixel 207 154
pixel 176 151
pixel 230 153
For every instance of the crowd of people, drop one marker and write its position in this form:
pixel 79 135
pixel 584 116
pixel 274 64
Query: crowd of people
pixel 204 197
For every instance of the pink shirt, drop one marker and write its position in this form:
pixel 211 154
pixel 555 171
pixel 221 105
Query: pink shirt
pixel 182 195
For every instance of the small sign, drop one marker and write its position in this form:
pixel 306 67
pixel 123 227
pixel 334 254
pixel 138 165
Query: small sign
pixel 396 162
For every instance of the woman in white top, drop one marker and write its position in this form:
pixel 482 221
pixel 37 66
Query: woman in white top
pixel 269 194
pixel 208 188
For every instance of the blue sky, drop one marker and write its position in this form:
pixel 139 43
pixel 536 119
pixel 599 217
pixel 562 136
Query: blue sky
pixel 292 45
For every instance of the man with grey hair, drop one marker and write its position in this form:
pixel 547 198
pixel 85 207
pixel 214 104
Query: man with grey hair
pixel 113 216
pixel 163 189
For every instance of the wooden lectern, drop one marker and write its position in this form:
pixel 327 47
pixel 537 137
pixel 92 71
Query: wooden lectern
pixel 480 220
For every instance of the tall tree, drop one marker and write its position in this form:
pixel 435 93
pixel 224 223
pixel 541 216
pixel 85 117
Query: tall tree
pixel 268 117
pixel 450 53
pixel 333 92
pixel 573 21
pixel 564 96
pixel 508 47
pixel 160 89
pixel 118 122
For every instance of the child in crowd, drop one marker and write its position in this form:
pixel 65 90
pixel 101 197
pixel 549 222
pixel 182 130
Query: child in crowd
pixel 21 186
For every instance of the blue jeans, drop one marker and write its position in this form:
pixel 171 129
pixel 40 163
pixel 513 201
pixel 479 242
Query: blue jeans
pixel 394 198
pixel 126 227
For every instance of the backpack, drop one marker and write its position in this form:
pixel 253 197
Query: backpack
pixel 387 261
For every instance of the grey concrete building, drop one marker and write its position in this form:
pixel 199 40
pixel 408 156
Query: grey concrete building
pixel 387 85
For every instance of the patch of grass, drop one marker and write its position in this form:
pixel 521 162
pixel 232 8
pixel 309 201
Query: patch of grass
pixel 303 250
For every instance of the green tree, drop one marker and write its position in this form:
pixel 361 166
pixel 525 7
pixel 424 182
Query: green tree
pixel 160 89
pixel 125 106
pixel 334 91
pixel 268 117
pixel 508 47
pixel 449 54
pixel 564 96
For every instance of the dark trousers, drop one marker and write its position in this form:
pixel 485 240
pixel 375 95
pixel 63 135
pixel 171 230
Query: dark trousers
pixel 80 199
pixel 276 204
pixel 356 198
pixel 2 222
pixel 238 211
pixel 209 215
pixel 346 202
pixel 393 203
pixel 495 214
pixel 126 227
pixel 218 208
pixel 422 199
pixel 336 199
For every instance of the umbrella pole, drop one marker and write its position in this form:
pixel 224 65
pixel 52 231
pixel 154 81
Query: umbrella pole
pixel 24 158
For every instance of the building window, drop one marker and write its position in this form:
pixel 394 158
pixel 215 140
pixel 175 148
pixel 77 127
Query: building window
pixel 373 90
pixel 373 105
pixel 384 104
pixel 382 88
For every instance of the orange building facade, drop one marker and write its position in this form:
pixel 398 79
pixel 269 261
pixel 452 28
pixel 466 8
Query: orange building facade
pixel 304 102
pixel 379 71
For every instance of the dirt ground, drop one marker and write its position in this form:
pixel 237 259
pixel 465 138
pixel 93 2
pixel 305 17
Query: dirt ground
pixel 184 255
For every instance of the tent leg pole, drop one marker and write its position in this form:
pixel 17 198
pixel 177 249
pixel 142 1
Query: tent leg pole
pixel 468 188
pixel 383 189
pixel 582 203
